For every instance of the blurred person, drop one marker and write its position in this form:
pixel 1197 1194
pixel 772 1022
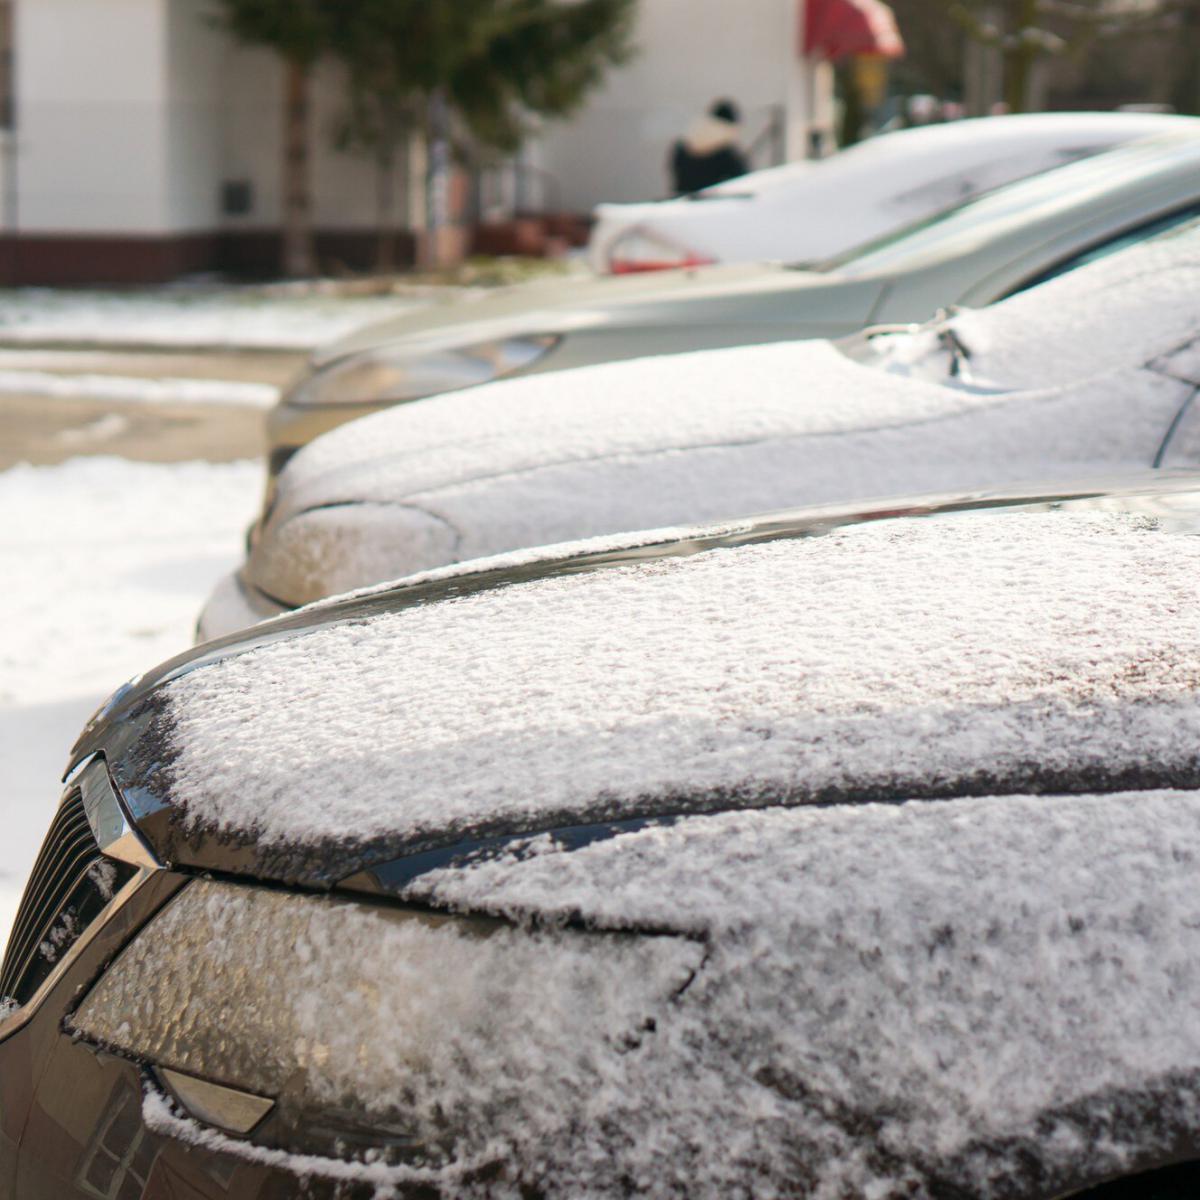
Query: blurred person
pixel 922 109
pixel 709 152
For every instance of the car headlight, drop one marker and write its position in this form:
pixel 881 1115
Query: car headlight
pixel 391 375
pixel 375 1026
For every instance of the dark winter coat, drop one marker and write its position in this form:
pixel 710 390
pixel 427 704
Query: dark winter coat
pixel 707 154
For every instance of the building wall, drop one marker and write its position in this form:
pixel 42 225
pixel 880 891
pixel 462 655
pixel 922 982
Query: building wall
pixel 91 107
pixel 193 54
pixel 689 52
pixel 250 118
pixel 134 115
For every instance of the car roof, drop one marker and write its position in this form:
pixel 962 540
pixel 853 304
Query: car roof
pixel 1081 132
pixel 1118 179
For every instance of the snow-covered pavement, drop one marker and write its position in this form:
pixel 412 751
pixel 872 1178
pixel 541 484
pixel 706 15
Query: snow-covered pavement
pixel 124 389
pixel 196 316
pixel 106 563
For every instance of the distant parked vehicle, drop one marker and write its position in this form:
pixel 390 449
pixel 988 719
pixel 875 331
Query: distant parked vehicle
pixel 1094 371
pixel 810 211
pixel 974 254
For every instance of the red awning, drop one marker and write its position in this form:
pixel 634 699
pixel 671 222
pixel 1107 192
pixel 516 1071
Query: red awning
pixel 836 29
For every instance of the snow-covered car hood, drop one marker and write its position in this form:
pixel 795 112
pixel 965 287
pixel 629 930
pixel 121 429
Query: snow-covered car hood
pixel 1084 373
pixel 988 997
pixel 993 993
pixel 814 659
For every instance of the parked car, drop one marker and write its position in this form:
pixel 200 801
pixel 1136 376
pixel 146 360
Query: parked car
pixel 1094 370
pixel 974 254
pixel 843 853
pixel 810 211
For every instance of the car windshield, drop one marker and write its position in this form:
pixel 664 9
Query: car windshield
pixel 965 227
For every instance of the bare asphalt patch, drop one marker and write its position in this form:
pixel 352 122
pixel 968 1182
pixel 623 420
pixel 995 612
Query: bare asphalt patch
pixel 45 430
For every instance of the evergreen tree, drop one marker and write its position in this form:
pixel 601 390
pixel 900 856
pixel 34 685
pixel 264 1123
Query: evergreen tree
pixel 300 31
pixel 486 65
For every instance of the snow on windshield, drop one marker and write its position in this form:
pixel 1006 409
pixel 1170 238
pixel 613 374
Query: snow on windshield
pixel 959 230
pixel 1120 310
pixel 894 658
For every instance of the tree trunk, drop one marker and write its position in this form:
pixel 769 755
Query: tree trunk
pixel 437 180
pixel 1185 92
pixel 385 198
pixel 298 257
pixel 1020 55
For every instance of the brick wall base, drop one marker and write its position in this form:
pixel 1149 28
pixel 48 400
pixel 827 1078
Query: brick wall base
pixel 77 260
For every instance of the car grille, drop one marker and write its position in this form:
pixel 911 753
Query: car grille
pixel 70 885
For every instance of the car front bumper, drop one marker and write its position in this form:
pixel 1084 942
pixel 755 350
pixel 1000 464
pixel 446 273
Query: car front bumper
pixel 234 605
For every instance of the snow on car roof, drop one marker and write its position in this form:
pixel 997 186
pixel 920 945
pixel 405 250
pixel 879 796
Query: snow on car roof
pixel 898 149
pixel 899 658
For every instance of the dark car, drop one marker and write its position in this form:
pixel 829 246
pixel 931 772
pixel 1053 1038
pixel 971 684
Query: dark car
pixel 844 853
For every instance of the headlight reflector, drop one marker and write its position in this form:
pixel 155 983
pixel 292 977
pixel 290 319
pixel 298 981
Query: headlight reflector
pixel 389 375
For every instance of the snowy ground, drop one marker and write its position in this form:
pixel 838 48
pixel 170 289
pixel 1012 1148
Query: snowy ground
pixel 197 316
pixel 105 563
pixel 128 390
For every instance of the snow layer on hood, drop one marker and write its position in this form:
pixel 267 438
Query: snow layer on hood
pixel 519 488
pixel 901 996
pixel 990 997
pixel 701 436
pixel 897 657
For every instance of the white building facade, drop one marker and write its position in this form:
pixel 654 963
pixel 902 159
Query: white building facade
pixel 689 53
pixel 145 144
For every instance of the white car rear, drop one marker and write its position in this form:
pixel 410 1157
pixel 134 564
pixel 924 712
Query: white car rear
pixel 810 211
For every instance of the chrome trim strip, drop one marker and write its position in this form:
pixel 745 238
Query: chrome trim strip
pixel 230 1109
pixel 110 823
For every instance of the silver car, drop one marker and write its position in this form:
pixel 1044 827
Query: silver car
pixel 973 254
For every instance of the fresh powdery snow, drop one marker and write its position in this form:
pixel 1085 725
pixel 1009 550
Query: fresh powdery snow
pixel 136 390
pixel 104 563
pixel 192 316
pixel 927 655
pixel 894 997
pixel 983 994
pixel 704 436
